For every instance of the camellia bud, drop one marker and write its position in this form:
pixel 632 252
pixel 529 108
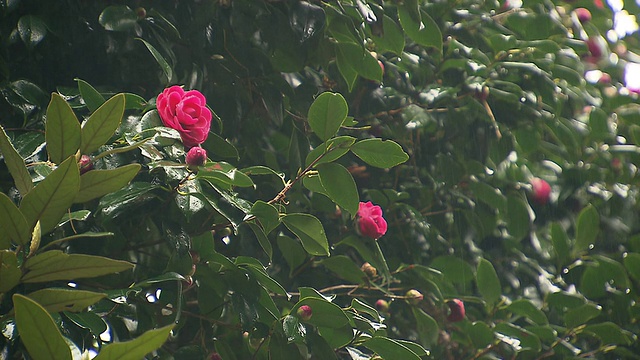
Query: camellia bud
pixel 382 305
pixel 304 312
pixel 541 190
pixel 369 270
pixel 141 13
pixel 456 310
pixel 215 356
pixel 583 15
pixel 85 164
pixel 414 296
pixel 196 156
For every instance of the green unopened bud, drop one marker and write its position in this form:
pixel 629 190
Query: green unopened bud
pixel 369 270
pixel 414 296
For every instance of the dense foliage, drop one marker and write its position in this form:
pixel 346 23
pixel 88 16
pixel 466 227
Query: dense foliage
pixel 383 179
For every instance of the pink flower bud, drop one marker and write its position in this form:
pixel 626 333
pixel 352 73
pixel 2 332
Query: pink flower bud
pixel 456 310
pixel 215 356
pixel 583 15
pixel 304 312
pixel 382 305
pixel 85 164
pixel 414 296
pixel 370 220
pixel 541 190
pixel 196 156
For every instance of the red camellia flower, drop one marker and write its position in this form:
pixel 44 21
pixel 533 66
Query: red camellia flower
pixel 541 191
pixel 196 156
pixel 370 220
pixel 186 112
pixel 456 308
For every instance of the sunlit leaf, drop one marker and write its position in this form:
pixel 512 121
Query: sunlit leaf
pixel 102 124
pixel 137 348
pixel 56 265
pixel 62 130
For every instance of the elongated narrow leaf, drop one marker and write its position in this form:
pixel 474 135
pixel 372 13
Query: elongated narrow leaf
pixel 389 349
pixel 137 348
pixel 57 300
pixel 488 282
pixel 310 231
pixel 340 186
pixel 518 218
pixel 380 153
pixel 62 131
pixel 330 150
pixel 38 332
pixel 48 201
pixel 166 68
pixel 9 272
pixel 92 98
pixel 15 164
pixel 587 228
pixel 327 113
pixel 102 124
pixel 97 183
pixel 12 222
pixel 56 265
pixel 262 238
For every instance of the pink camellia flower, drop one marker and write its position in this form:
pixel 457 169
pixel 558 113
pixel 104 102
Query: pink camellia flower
pixel 541 190
pixel 186 112
pixel 370 220
pixel 196 156
pixel 456 310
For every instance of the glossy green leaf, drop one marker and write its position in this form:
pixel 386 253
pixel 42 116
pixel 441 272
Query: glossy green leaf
pixel 313 183
pixel 327 113
pixel 56 265
pixel 605 273
pixel 10 273
pixel 359 59
pixel 632 263
pixel 454 269
pixel 610 333
pixel 488 282
pixel 293 329
pixel 166 68
pixel 420 27
pixel 389 349
pixel 345 268
pixel 279 348
pixel 266 214
pixel 348 72
pixel 380 153
pixel 320 347
pixel 217 145
pixel 62 130
pixel 526 308
pixel 52 197
pixel 118 18
pixel 292 251
pixel 392 38
pixel 32 30
pixel 517 217
pixel 137 348
pixel 310 231
pixel 226 174
pixel 365 308
pixel 92 98
pixel 262 239
pixel 97 183
pixel 87 320
pixel 39 333
pixel 102 124
pixel 581 314
pixel 330 150
pixel 587 229
pixel 340 186
pixel 560 241
pixel 56 300
pixel 427 327
pixel 15 164
pixel 489 195
pixel 13 223
pixel 528 340
pixel 324 313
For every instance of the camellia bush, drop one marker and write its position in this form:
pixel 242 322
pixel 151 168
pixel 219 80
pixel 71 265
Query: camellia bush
pixel 350 179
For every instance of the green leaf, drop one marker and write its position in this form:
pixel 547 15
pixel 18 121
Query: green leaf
pixel 325 313
pixel 92 98
pixel 97 183
pixel 118 18
pixel 517 217
pixel 13 223
pixel 389 349
pixel 632 263
pixel 262 239
pixel 370 252
pixel 330 150
pixel 102 124
pixel 292 252
pixel 349 74
pixel 52 197
pixel 293 330
pixel 365 308
pixel 427 327
pixel 392 38
pixel 454 269
pixel 166 68
pixel 528 340
pixel 57 300
pixel 225 174
pixel 420 27
pixel 9 272
pixel 345 268
pixel 526 308
pixel 488 282
pixel 38 332
pixel 340 186
pixel 327 113
pixel 560 242
pixel 360 60
pixel 15 164
pixel 56 265
pixel 581 314
pixel 137 348
pixel 605 273
pixel 32 30
pixel 62 130
pixel 380 153
pixel 610 333
pixel 266 214
pixel 88 320
pixel 217 145
pixel 310 231
pixel 587 229
pixel 489 195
